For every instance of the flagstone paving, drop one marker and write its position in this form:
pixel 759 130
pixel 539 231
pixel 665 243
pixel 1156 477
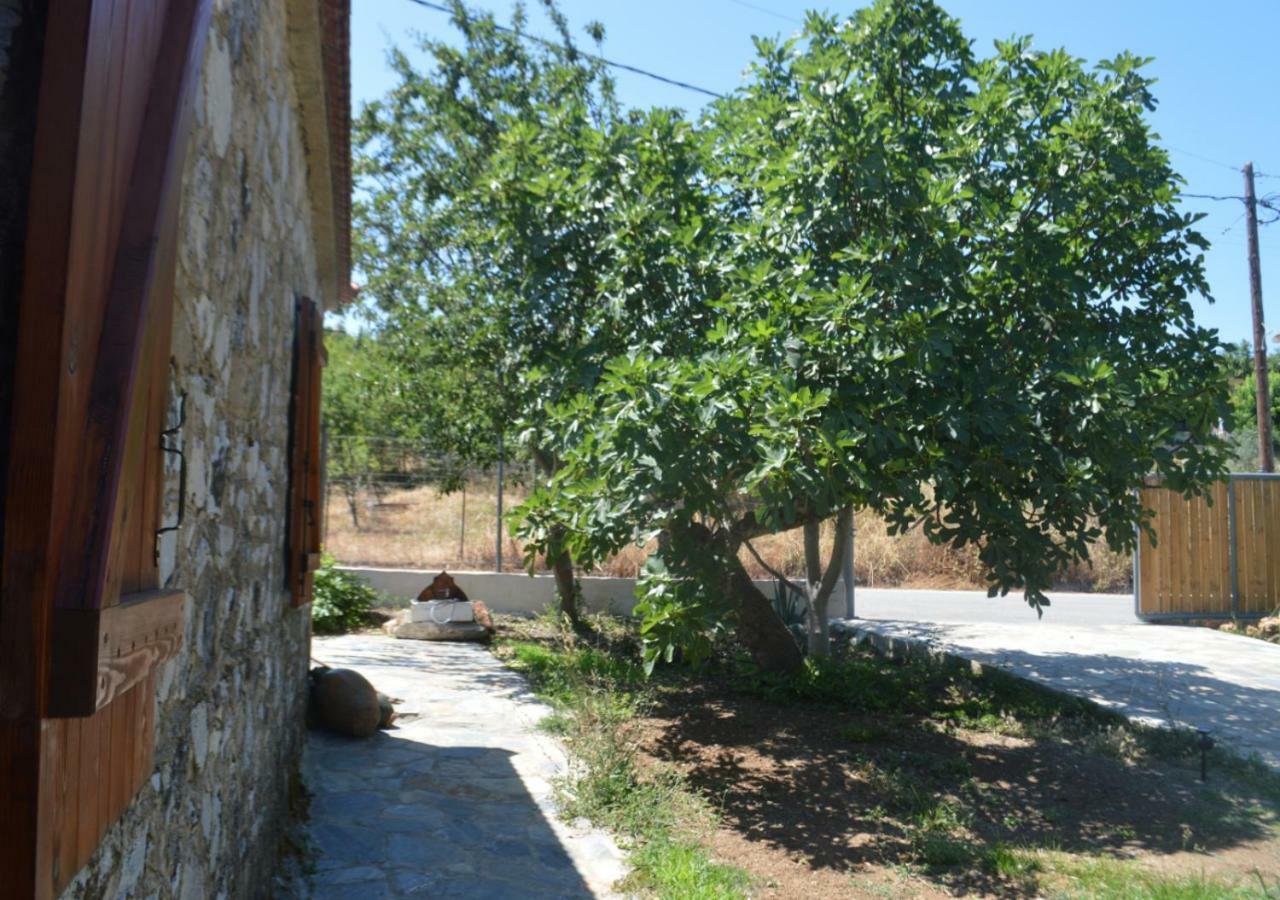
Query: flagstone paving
pixel 457 800
pixel 1163 675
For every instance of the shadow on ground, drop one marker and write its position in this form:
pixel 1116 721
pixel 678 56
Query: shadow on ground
pixel 1244 712
pixel 843 790
pixel 395 817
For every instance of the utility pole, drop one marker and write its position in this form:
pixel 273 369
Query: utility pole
pixel 1266 456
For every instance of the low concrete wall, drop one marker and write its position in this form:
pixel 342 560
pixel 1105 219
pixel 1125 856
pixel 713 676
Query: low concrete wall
pixel 519 593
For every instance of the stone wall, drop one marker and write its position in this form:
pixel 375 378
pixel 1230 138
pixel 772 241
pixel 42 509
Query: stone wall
pixel 230 714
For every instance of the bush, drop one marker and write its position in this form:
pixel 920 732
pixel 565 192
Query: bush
pixel 341 601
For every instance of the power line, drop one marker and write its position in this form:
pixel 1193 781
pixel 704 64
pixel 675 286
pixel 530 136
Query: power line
pixel 1220 163
pixel 684 85
pixel 591 56
pixel 1216 162
pixel 767 12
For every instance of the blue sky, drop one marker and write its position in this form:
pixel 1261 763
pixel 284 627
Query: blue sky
pixel 1218 87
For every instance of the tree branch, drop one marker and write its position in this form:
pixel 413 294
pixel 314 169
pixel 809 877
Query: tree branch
pixel 772 571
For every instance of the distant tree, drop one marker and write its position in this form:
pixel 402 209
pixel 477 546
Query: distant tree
pixel 516 231
pixel 1244 402
pixel 956 292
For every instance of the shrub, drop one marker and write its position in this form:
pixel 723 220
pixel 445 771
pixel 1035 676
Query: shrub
pixel 341 601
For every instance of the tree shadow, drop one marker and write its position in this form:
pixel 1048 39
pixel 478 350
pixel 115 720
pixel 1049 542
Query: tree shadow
pixel 392 816
pixel 844 789
pixel 1160 692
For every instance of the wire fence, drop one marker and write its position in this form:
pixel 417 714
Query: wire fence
pixel 392 503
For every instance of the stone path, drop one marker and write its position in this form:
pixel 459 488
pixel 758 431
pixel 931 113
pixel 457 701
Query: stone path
pixel 1157 674
pixel 457 800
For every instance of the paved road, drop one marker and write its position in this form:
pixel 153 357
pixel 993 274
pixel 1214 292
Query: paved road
pixel 1157 674
pixel 454 802
pixel 976 606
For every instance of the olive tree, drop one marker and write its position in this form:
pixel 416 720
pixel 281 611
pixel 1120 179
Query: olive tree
pixel 956 292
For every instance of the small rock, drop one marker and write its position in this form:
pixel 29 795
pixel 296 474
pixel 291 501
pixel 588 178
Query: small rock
pixel 1269 626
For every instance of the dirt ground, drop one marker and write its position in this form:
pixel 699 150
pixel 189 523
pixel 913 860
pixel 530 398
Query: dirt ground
pixel 817 804
pixel 422 528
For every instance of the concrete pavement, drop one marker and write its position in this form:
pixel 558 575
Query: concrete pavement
pixel 1156 674
pixel 975 606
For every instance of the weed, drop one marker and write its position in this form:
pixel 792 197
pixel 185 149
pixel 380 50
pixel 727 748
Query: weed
pixel 596 696
pixel 862 733
pixel 1011 863
pixel 1110 879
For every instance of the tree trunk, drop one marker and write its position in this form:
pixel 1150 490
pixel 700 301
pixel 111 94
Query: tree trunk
pixel 566 588
pixel 766 638
pixel 353 503
pixel 561 561
pixel 820 582
pixel 759 629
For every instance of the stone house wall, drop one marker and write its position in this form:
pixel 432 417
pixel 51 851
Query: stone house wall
pixel 231 704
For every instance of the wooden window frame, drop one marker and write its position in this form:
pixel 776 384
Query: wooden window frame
pixel 83 618
pixel 306 459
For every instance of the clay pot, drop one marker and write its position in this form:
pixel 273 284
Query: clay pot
pixel 344 701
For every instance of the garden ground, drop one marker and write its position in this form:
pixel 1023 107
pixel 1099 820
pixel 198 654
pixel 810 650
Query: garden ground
pixel 872 778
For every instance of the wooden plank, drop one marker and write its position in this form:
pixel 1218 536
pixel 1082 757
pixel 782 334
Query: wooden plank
pixel 146 755
pixel 1257 561
pixel 144 735
pixel 303 409
pixel 1173 541
pixel 1222 545
pixel 85 578
pixel 1262 600
pixel 314 458
pixel 39 371
pixel 1146 558
pixel 1166 554
pixel 68 803
pixel 1204 552
pixel 135 637
pixel 122 711
pixel 20 747
pixel 90 756
pixel 1271 542
pixel 1259 599
pixel 51 753
pixel 1244 542
pixel 106 760
pixel 1195 563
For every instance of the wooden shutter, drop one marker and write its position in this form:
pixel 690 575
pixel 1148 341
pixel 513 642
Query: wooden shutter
pixel 306 503
pixel 83 619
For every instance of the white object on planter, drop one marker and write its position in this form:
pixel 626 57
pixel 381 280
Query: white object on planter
pixel 441 612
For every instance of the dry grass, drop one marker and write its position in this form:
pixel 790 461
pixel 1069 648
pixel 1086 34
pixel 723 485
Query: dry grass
pixel 422 529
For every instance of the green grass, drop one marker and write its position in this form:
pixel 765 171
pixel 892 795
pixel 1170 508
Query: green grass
pixel 1108 879
pixel 596 696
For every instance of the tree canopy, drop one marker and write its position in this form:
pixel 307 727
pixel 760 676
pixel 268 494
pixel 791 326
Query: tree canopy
pixel 887 272
pixel 956 291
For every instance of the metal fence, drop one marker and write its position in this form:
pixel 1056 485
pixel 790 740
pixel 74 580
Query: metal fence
pixel 1216 556
pixel 392 502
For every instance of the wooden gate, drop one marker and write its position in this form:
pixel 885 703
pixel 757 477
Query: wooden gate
pixel 1216 556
